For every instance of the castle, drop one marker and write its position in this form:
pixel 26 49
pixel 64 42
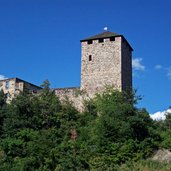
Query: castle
pixel 106 59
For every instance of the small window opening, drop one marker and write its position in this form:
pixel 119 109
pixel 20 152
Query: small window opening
pixel 34 91
pixel 90 57
pixel 89 41
pixel 101 40
pixel 112 39
pixel 7 85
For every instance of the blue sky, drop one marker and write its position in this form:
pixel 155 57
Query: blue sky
pixel 40 39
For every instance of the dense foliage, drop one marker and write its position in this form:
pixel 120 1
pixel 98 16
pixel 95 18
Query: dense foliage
pixel 38 133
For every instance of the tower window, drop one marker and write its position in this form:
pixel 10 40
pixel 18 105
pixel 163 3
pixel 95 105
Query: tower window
pixel 89 41
pixel 112 39
pixel 101 40
pixel 90 58
pixel 7 84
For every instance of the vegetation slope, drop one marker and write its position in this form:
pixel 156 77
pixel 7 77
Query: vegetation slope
pixel 39 133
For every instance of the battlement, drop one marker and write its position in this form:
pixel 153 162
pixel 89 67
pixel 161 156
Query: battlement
pixel 104 37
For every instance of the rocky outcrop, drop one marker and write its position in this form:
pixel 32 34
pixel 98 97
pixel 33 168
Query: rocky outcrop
pixel 162 155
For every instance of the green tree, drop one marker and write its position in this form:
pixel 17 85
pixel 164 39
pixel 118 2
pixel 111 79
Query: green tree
pixel 41 133
pixel 121 131
pixel 2 98
pixel 2 109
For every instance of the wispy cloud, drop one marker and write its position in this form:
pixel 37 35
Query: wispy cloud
pixel 160 115
pixel 2 77
pixel 158 67
pixel 169 72
pixel 137 64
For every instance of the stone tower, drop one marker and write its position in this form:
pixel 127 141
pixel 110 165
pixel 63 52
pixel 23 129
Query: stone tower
pixel 106 60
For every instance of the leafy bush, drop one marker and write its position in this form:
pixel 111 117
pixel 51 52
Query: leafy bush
pixel 37 133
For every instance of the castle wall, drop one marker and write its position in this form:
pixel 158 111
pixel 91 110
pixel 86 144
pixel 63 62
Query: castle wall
pixel 72 94
pixel 126 66
pixel 105 66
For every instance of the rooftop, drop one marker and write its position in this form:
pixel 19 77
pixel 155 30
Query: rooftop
pixel 20 80
pixel 105 34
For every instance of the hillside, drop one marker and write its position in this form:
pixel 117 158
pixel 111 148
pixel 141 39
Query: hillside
pixel 39 133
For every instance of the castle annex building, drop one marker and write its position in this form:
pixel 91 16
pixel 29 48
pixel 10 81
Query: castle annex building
pixel 106 59
pixel 13 86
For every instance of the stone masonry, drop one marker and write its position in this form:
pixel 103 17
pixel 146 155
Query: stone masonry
pixel 106 60
pixel 13 86
pixel 72 94
pixel 126 66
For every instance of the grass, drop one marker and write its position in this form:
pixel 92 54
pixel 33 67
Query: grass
pixel 146 165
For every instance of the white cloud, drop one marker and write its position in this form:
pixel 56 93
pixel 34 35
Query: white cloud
pixel 160 115
pixel 135 74
pixel 158 67
pixel 169 72
pixel 2 77
pixel 137 65
pixel 166 69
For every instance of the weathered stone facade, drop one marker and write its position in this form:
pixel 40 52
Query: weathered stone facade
pixel 106 62
pixel 73 94
pixel 104 68
pixel 126 66
pixel 13 86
